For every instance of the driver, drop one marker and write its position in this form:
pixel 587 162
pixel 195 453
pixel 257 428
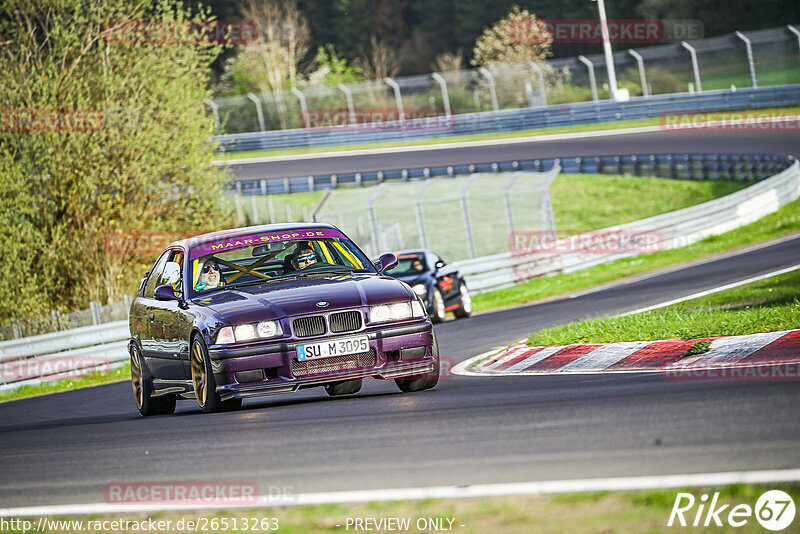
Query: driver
pixel 304 257
pixel 210 276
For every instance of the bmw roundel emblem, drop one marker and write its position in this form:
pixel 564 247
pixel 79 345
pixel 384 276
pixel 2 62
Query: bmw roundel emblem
pixel 322 304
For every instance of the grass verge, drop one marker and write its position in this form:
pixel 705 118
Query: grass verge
pixel 768 305
pixel 616 125
pixel 600 511
pixel 784 221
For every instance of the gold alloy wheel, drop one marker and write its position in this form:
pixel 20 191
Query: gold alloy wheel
pixel 136 378
pixel 199 378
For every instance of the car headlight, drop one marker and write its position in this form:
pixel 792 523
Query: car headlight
pixel 420 290
pixel 249 331
pixel 244 332
pixel 397 311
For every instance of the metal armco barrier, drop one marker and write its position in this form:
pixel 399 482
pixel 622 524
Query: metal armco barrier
pixel 65 354
pixel 680 166
pixel 520 119
pixel 674 229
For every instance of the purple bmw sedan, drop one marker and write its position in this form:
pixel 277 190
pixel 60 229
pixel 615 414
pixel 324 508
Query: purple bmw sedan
pixel 273 309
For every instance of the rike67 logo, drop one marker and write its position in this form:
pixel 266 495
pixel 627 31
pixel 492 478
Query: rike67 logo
pixel 774 510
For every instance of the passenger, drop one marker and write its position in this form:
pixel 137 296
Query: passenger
pixel 210 275
pixel 303 258
pixel 417 265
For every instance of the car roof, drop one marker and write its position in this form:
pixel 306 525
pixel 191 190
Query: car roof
pixel 246 230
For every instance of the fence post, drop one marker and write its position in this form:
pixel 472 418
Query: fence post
pixel 795 32
pixel 749 49
pixel 350 107
pixel 288 209
pixel 303 108
pixel 271 207
pixel 695 68
pixel 492 90
pixel 592 81
pixel 423 237
pixel 642 77
pixel 259 111
pixel 373 220
pixel 465 213
pixel 507 202
pixel 95 309
pixel 540 73
pixel 398 98
pixel 445 96
pixel 254 207
pixel 15 327
pixel 128 300
pixel 214 111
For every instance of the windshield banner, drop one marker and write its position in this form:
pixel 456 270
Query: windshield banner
pixel 258 239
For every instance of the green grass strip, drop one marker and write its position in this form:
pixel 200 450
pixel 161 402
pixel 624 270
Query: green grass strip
pixel 768 305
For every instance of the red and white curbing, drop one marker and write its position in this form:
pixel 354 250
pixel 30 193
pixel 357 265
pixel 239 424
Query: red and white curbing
pixel 665 355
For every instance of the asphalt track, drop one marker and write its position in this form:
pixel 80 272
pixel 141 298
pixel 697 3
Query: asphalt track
pixel 660 142
pixel 65 448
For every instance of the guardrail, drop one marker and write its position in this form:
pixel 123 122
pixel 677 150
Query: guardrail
pixel 66 354
pixel 680 166
pixel 677 228
pixel 519 119
pixel 60 355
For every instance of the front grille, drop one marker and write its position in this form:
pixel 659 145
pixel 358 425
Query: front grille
pixel 336 363
pixel 309 326
pixel 344 321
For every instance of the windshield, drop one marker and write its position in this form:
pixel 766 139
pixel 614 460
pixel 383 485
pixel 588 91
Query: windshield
pixel 258 258
pixel 409 264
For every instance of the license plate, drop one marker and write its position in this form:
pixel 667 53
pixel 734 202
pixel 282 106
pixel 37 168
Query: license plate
pixel 334 347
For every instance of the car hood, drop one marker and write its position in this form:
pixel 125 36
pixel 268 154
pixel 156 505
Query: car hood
pixel 295 297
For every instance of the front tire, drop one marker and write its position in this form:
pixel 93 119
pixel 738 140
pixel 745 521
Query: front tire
pixel 348 387
pixel 421 382
pixel 142 383
pixel 437 313
pixel 205 388
pixel 465 303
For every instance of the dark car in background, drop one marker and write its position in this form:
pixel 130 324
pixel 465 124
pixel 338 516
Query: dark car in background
pixel 273 309
pixel 437 282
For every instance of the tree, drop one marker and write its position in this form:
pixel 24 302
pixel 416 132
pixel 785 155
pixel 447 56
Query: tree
pixel 272 62
pixel 103 134
pixel 519 37
pixel 378 60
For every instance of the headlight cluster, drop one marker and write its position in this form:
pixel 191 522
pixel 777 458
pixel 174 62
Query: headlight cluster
pixel 395 312
pixel 249 331
pixel 420 290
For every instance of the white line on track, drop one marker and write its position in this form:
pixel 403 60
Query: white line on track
pixel 437 492
pixel 713 290
pixel 490 142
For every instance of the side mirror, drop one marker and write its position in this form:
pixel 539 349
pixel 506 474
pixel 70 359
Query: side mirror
pixel 386 262
pixel 439 265
pixel 166 292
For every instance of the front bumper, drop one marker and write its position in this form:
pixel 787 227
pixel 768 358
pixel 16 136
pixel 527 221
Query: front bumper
pixel 276 360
